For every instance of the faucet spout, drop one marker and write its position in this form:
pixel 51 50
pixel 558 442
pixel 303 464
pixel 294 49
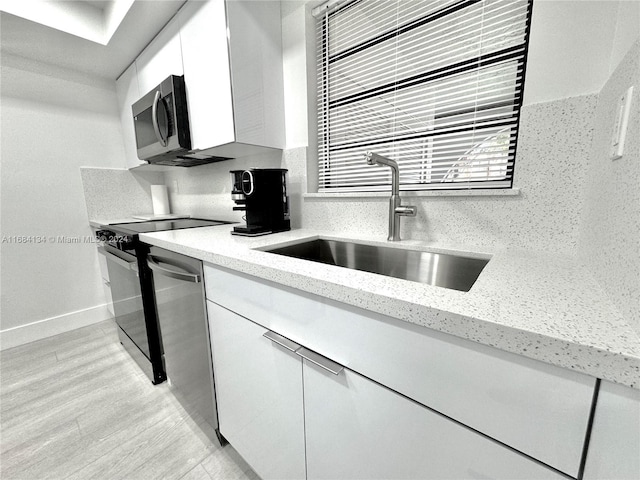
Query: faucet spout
pixel 375 159
pixel 396 209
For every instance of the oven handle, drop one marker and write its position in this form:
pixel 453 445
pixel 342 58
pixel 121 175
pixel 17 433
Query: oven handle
pixel 115 258
pixel 168 272
pixel 154 119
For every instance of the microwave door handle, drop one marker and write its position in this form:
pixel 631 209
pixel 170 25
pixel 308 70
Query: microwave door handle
pixel 154 119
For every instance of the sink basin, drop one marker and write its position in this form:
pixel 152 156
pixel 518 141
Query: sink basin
pixel 439 269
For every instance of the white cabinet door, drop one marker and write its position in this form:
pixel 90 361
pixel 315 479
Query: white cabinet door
pixel 259 395
pixel 258 94
pixel 357 429
pixel 128 93
pixel 205 56
pixel 161 58
pixel 614 449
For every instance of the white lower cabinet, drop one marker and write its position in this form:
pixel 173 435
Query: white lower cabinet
pixel 358 429
pixel 292 419
pixel 535 408
pixel 259 395
pixel 614 449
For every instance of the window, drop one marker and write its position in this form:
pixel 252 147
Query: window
pixel 434 84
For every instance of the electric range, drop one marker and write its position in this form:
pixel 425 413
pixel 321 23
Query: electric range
pixel 132 288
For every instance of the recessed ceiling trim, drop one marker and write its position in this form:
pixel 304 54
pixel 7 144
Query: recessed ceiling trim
pixel 94 21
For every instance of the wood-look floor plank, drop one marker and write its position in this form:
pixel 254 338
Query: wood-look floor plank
pixel 91 344
pixel 85 410
pixel 60 376
pixel 14 368
pixel 132 453
pixel 108 408
pixel 181 451
pixel 225 463
pixel 196 473
pixel 41 456
pixel 51 344
pixel 21 424
pixel 59 390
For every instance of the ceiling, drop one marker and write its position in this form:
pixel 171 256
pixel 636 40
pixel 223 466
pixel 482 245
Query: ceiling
pixel 84 50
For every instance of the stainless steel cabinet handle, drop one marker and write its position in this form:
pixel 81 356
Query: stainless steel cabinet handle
pixel 154 119
pixel 319 360
pixel 282 341
pixel 169 272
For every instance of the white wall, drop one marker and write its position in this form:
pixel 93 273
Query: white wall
pixel 53 121
pixel 575 45
pixel 569 48
pixel 610 228
pixel 627 31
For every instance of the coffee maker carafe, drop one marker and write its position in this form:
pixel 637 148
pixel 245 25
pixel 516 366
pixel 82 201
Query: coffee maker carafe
pixel 262 194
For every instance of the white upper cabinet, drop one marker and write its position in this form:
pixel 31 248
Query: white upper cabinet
pixel 230 54
pixel 207 73
pixel 232 57
pixel 128 92
pixel 161 58
pixel 255 44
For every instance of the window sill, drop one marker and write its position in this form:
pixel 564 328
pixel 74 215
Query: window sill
pixel 507 192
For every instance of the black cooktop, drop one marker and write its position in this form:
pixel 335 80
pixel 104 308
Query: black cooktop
pixel 133 228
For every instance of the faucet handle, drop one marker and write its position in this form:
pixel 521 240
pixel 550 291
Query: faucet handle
pixel 406 210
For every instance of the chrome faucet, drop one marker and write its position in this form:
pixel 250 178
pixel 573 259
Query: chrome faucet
pixel 396 209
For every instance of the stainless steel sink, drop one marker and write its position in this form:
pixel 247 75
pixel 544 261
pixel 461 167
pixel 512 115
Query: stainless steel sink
pixel 439 269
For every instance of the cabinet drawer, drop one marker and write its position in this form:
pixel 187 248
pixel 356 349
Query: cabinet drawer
pixel 536 408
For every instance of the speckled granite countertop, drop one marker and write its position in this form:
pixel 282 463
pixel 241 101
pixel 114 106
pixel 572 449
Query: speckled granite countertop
pixel 545 307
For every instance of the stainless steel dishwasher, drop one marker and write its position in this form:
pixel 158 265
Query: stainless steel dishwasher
pixel 178 283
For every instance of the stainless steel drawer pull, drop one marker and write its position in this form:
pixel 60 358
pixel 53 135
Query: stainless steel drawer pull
pixel 282 341
pixel 319 360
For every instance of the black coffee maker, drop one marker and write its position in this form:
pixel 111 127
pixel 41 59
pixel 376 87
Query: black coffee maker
pixel 262 194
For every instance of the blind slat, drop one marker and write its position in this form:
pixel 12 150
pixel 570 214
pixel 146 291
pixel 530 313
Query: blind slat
pixel 435 85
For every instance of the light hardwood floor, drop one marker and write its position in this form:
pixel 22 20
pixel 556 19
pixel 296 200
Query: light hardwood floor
pixel 76 406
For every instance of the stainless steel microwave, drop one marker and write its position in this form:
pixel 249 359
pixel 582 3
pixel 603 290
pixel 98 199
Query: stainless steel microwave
pixel 161 122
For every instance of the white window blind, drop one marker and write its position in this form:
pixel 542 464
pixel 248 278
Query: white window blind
pixel 435 85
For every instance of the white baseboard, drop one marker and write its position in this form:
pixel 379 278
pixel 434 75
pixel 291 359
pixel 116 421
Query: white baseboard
pixel 12 337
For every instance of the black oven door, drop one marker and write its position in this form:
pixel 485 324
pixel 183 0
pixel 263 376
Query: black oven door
pixel 127 296
pixel 128 305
